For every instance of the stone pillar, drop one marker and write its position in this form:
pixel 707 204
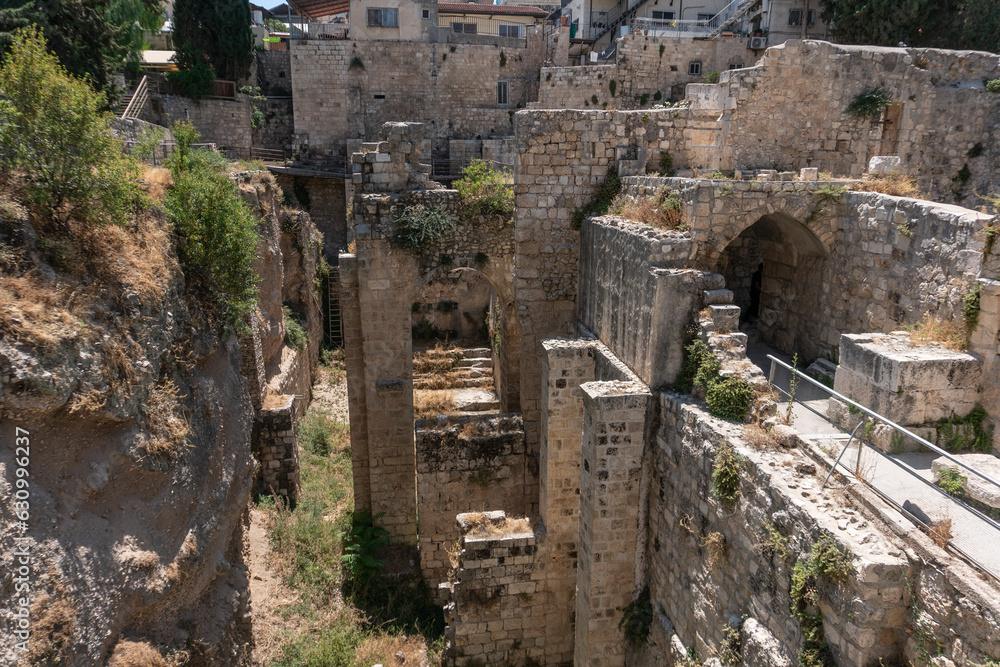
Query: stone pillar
pixel 561 56
pixel 614 427
pixel 985 342
pixel 566 365
pixel 354 360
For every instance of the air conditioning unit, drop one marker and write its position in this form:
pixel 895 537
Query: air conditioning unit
pixel 757 43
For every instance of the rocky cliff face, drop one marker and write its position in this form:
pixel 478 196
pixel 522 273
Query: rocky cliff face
pixel 139 422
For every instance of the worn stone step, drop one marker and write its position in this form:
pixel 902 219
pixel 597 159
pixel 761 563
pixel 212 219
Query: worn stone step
pixel 717 296
pixel 726 318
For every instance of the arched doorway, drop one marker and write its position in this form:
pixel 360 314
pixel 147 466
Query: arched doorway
pixel 787 293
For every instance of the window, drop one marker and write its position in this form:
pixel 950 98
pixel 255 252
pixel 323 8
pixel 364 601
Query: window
pixel 706 17
pixel 503 92
pixel 425 13
pixel 509 30
pixel 694 67
pixel 663 16
pixel 467 28
pixel 735 65
pixel 383 18
pixel 795 17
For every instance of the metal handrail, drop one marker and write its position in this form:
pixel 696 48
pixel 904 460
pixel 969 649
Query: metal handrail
pixel 139 98
pixel 929 445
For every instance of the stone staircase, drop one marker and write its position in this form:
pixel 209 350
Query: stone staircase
pixel 470 377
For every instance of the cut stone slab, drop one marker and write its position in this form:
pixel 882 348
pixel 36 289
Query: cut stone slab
pixel 475 400
pixel 977 487
pixel 884 164
pixel 909 384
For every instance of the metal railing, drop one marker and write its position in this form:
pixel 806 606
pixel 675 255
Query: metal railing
pixel 470 25
pixel 904 478
pixel 139 99
pixel 671 27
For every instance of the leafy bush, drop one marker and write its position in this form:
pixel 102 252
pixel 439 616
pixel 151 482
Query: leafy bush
pixel 362 540
pixel 487 190
pixel 952 481
pixel 637 618
pixel 149 141
pixel 696 354
pixel 666 163
pixel 295 336
pixel 993 85
pixel 52 132
pixel 711 77
pixel 195 76
pixel 726 473
pixel 730 399
pixel 418 226
pixel 601 202
pixel 826 562
pixel 216 231
pixel 870 103
pixel 318 432
pixel 968 432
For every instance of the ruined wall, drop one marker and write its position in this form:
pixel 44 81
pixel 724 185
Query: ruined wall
pixel 647 70
pixel 345 90
pixel 464 465
pixel 849 263
pixel 456 303
pixel 225 123
pixel 278 123
pixel 274 73
pixel 701 587
pixel 275 449
pixel 327 206
pixel 944 113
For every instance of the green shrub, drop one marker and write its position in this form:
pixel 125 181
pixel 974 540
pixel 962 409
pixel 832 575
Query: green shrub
pixel 52 132
pixel 726 473
pixel 952 481
pixel 711 77
pixel 695 355
pixel 362 539
pixel 993 85
pixel 870 103
pixel 318 432
pixel 149 140
pixel 637 617
pixel 666 163
pixel 295 336
pixel 970 308
pixel 601 202
pixel 968 432
pixel 216 231
pixel 194 76
pixel 418 226
pixel 730 399
pixel 826 562
pixel 487 190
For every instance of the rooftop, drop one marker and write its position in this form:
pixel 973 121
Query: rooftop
pixel 475 8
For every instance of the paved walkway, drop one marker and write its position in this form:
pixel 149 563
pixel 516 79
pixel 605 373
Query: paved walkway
pixel 906 478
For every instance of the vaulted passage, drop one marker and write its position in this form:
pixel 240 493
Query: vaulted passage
pixel 775 269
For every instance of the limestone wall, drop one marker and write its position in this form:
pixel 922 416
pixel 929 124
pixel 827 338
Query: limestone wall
pixel 464 465
pixel 647 70
pixel 327 208
pixel 225 123
pixel 456 304
pixel 274 73
pixel 944 113
pixel 345 90
pixel 278 125
pixel 275 449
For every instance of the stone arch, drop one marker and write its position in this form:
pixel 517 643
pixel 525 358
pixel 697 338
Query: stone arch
pixel 794 261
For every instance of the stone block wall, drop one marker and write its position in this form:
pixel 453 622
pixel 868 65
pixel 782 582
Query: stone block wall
pixel 710 561
pixel 327 208
pixel 615 421
pixel 274 73
pixel 225 123
pixel 495 615
pixel 279 123
pixel 644 66
pixel 464 465
pixel 345 90
pixel 944 113
pixel 456 302
pixel 907 384
pixel 275 449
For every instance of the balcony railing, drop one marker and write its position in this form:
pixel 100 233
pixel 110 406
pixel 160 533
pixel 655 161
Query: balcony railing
pixel 672 27
pixel 459 27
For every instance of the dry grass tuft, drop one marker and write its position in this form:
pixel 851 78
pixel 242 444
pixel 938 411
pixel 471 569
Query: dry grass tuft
pixel 159 179
pixel 39 313
pixel 119 351
pixel 168 430
pixel 940 532
pixel 136 654
pixel 715 545
pixel 758 437
pixel 53 623
pixel 942 332
pixel 429 403
pixel 897 185
pixel 389 650
pixel 186 555
pixel 483 526
pixel 663 210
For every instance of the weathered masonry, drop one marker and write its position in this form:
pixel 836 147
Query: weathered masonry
pixel 614 471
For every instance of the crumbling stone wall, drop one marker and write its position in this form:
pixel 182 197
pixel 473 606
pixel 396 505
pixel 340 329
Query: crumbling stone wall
pixel 278 125
pixel 345 90
pixel 945 112
pixel 226 123
pixel 455 303
pixel 274 73
pixel 327 206
pixel 464 465
pixel 644 66
pixel 275 449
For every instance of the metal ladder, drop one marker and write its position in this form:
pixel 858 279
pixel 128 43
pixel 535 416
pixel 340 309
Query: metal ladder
pixel 332 318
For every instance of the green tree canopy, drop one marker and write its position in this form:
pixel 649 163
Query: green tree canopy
pixel 217 32
pixel 93 39
pixel 948 24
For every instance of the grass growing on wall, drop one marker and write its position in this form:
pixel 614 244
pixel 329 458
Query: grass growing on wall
pixel 333 621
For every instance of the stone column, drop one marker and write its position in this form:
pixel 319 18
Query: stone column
pixel 566 365
pixel 614 427
pixel 354 360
